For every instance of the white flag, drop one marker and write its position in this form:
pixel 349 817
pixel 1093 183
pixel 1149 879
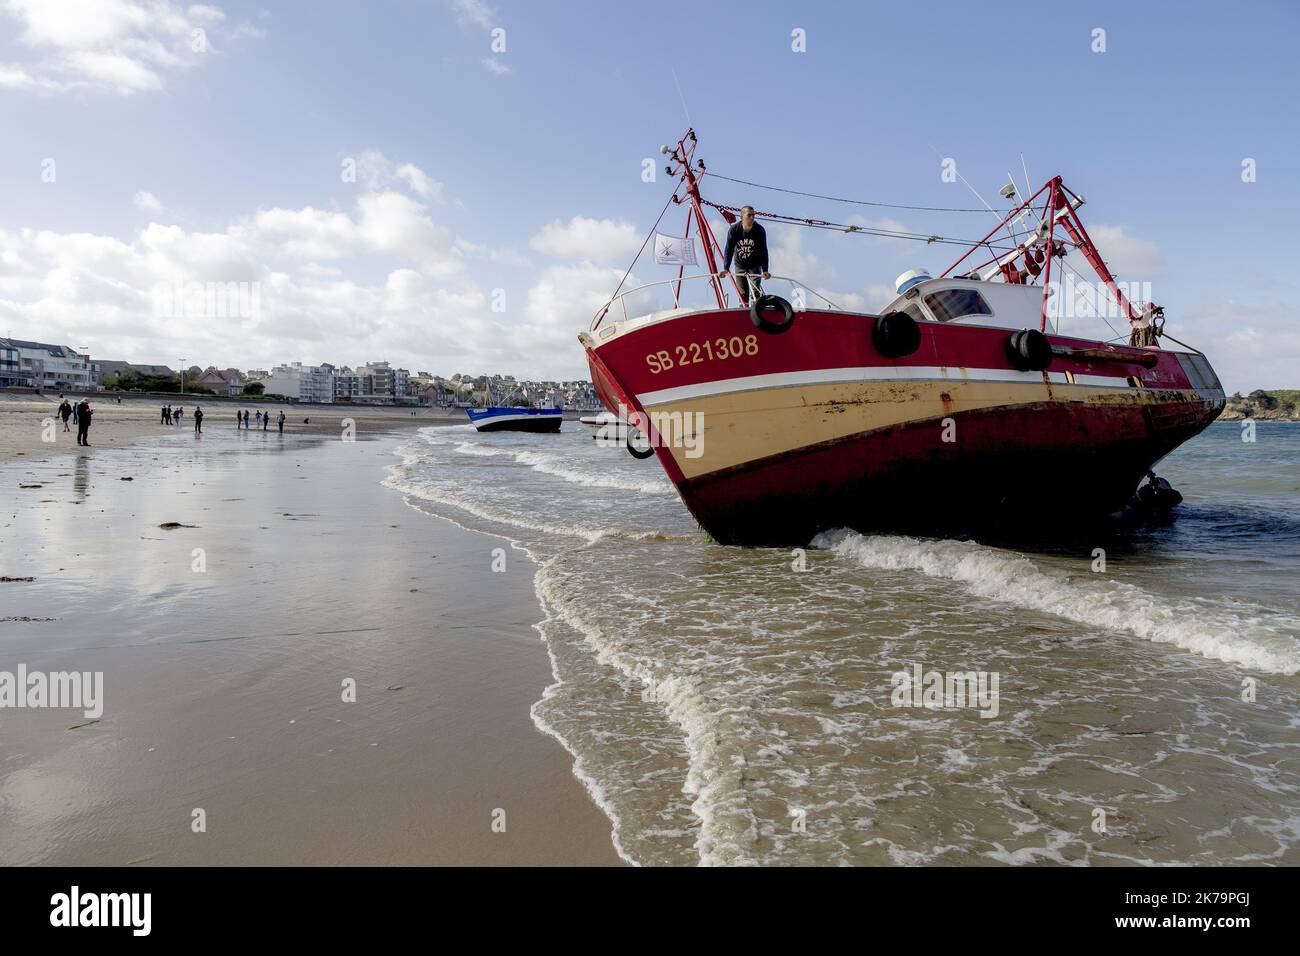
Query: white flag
pixel 674 250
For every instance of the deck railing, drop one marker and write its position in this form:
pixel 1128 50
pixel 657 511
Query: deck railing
pixel 797 297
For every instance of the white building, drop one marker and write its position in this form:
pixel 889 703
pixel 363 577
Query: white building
pixel 347 385
pixel 306 383
pixel 46 366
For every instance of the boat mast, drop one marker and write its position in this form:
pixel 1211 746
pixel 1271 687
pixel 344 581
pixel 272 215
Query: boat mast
pixel 682 155
pixel 1059 209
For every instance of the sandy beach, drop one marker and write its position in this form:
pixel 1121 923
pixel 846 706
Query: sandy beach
pixel 229 644
pixel 25 420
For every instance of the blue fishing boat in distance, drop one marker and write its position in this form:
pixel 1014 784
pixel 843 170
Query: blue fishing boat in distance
pixel 497 419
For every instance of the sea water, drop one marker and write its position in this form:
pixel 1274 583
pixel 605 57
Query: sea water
pixel 731 705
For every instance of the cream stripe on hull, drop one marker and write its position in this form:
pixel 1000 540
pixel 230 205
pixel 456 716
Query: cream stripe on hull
pixel 891 373
pixel 709 433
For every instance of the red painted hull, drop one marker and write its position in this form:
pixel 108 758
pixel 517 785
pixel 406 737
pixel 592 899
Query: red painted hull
pixel 1023 471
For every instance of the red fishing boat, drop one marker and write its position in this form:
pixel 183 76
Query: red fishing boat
pixel 954 409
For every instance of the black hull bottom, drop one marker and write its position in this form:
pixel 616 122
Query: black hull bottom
pixel 897 480
pixel 549 424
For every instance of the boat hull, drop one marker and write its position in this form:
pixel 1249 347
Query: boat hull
pixel 515 419
pixel 771 445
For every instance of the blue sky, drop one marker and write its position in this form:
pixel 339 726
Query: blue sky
pixel 520 170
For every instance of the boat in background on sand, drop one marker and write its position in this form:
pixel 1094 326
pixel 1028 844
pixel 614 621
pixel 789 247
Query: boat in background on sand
pixel 605 426
pixel 495 419
pixel 955 410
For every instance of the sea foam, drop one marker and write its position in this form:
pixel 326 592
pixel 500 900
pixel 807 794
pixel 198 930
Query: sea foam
pixel 1253 638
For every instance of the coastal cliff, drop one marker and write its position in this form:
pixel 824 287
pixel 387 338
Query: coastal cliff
pixel 1277 405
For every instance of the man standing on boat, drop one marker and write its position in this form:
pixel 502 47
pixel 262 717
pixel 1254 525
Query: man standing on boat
pixel 747 243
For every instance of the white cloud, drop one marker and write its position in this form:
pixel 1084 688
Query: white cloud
pixel 114 71
pixel 787 257
pixel 147 200
pixel 494 65
pixel 1250 344
pixel 474 250
pixel 311 233
pixel 474 12
pixel 424 309
pixel 567 297
pixel 383 222
pixel 419 181
pixel 118 46
pixel 99 291
pixel 376 172
pixel 563 301
pixel 1129 258
pixel 77 23
pixel 594 240
pixel 394 223
pixel 16 78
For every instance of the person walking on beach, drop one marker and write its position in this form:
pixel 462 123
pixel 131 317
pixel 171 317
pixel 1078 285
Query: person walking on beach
pixel 65 412
pixel 747 242
pixel 162 415
pixel 198 420
pixel 266 420
pixel 280 421
pixel 83 423
pixel 76 411
pixel 246 419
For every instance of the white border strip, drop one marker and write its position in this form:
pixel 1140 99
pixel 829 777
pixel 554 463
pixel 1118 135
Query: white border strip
pixel 511 418
pixel 836 376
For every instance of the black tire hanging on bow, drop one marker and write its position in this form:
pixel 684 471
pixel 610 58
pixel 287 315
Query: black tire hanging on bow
pixel 896 334
pixel 761 322
pixel 632 449
pixel 1029 350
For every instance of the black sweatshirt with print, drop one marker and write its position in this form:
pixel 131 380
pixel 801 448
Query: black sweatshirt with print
pixel 749 248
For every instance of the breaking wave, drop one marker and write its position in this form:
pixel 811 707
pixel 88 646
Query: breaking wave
pixel 1256 638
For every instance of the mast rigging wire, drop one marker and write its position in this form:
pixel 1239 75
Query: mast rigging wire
pixel 864 230
pixel 855 202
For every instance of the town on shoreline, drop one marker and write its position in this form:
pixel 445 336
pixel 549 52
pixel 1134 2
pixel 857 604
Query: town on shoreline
pixel 38 366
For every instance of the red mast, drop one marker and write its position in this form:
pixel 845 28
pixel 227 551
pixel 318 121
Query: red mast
pixel 682 155
pixel 1059 208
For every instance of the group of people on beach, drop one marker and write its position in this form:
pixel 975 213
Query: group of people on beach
pixel 174 416
pixel 81 413
pixel 263 420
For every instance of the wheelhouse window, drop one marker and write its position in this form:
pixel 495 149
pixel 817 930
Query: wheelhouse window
pixel 950 304
pixel 915 312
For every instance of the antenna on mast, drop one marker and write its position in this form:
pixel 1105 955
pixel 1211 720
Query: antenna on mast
pixel 1001 219
pixel 681 96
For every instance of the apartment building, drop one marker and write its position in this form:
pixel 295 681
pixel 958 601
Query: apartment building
pixel 305 383
pixel 41 365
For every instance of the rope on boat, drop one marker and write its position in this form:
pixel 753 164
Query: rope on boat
pixel 855 202
pixel 864 230
pixel 645 242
